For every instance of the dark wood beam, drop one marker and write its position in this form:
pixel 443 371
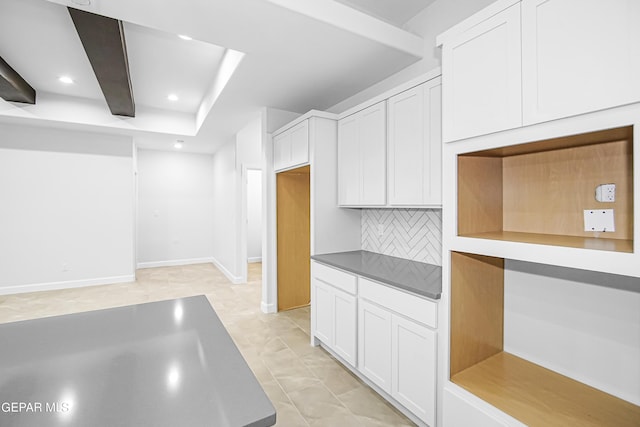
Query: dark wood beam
pixel 13 87
pixel 104 43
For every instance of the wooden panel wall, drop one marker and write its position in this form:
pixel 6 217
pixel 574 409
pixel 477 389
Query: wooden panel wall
pixel 479 194
pixel 293 238
pixel 477 309
pixel 547 192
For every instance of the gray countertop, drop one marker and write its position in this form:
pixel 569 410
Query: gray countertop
pixel 412 276
pixel 168 363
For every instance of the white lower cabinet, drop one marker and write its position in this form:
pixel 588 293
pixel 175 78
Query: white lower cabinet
pixel 374 344
pixel 386 335
pixel 334 310
pixel 413 359
pixel 396 352
pixel 323 311
pixel 344 325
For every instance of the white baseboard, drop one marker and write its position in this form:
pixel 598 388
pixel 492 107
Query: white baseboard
pixel 268 308
pixel 233 279
pixel 254 259
pixel 37 287
pixel 175 262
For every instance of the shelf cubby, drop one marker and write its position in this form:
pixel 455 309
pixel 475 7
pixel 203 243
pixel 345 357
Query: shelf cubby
pixel 536 192
pixel 529 392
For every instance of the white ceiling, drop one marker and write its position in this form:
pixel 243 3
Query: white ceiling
pixel 160 63
pixel 299 55
pixel 396 12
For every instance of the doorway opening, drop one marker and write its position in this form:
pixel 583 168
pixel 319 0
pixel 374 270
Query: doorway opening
pixel 254 225
pixel 293 238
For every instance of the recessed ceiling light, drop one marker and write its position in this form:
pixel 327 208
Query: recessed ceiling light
pixel 184 37
pixel 65 79
pixel 172 97
pixel 178 144
pixel 82 2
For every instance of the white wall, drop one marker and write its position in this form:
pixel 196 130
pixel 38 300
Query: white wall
pixel 66 209
pixel 254 215
pixel 582 324
pixel 225 216
pixel 249 144
pixel 230 212
pixel 248 155
pixel 432 21
pixel 175 207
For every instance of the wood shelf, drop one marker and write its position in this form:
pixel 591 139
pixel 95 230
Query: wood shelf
pixel 600 243
pixel 537 192
pixel 540 397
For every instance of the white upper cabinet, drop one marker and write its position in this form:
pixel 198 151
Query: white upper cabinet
pixel 348 161
pixel 523 62
pixel 415 146
pixel 481 77
pixel 291 147
pixel 362 147
pixel 579 56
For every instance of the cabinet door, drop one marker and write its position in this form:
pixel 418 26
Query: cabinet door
pixel 348 162
pixel 374 344
pixel 323 312
pixel 344 326
pixel 300 144
pixel 413 360
pixel 281 150
pixel 481 78
pixel 372 138
pixel 579 56
pixel 415 146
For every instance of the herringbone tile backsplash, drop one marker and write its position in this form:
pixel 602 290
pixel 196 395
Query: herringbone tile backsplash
pixel 414 234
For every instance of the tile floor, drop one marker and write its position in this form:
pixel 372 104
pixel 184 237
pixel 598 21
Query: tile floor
pixel 307 386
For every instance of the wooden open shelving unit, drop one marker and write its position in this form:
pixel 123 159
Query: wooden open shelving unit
pixel 528 392
pixel 537 192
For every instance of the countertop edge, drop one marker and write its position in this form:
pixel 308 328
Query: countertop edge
pixel 381 280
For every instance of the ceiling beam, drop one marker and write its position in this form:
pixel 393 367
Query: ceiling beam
pixel 104 43
pixel 13 87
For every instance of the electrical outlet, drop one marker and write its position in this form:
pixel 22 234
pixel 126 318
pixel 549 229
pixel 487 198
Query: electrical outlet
pixel 606 193
pixel 599 220
pixel 380 229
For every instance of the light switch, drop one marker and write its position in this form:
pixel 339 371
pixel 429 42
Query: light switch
pixel 599 220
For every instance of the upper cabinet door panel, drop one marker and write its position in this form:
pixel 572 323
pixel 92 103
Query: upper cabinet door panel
pixel 291 147
pixel 579 56
pixel 348 162
pixel 482 78
pixel 415 146
pixel 300 144
pixel 406 147
pixel 281 150
pixel 372 135
pixel 432 189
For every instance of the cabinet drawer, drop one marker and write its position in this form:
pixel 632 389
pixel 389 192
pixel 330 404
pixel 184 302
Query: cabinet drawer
pixel 334 277
pixel 419 309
